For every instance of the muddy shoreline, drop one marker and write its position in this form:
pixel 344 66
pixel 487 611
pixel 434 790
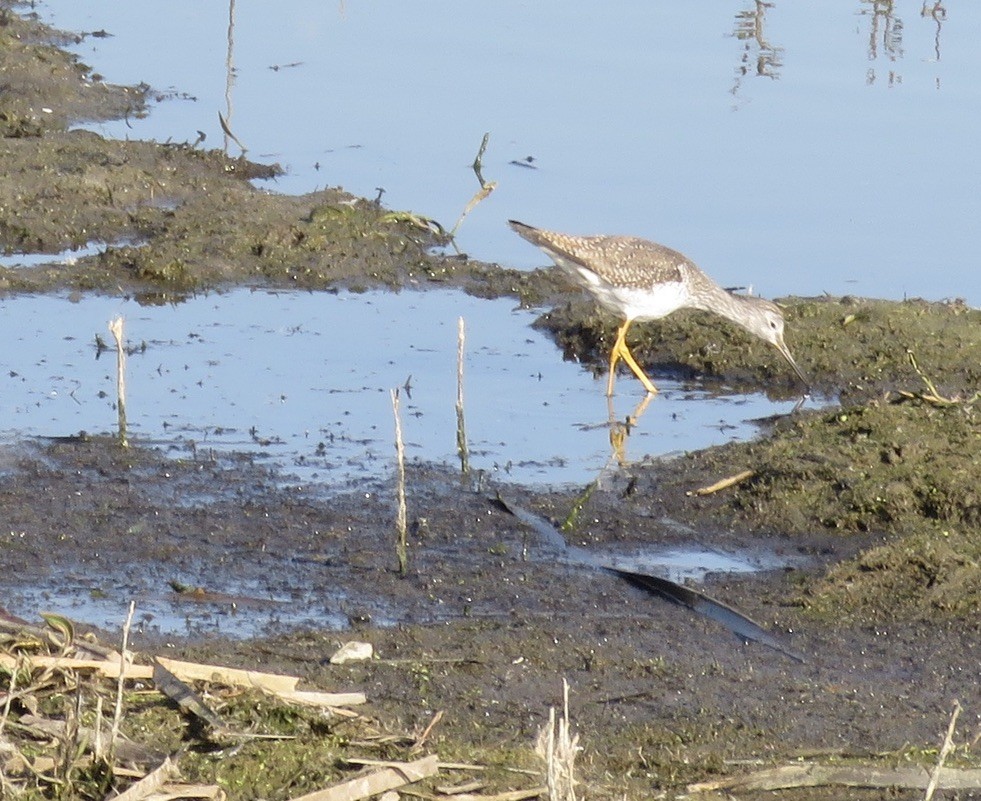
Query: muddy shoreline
pixel 878 500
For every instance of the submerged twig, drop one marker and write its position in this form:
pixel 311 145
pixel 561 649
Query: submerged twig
pixel 116 329
pixel 461 426
pixel 401 546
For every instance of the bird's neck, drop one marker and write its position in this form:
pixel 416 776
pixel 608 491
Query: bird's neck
pixel 733 307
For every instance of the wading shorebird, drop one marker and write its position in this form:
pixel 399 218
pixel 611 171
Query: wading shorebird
pixel 641 280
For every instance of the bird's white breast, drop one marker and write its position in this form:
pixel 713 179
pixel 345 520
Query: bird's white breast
pixel 629 302
pixel 642 304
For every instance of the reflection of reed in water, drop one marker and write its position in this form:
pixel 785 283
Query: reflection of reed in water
pixel 758 57
pixel 938 14
pixel 885 37
pixel 886 34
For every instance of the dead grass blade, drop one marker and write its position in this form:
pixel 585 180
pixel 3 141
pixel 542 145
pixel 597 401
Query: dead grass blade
pixel 931 395
pixel 377 781
pixel 510 795
pixel 724 483
pixel 558 748
pixel 791 776
pixel 945 750
pixel 118 712
pixel 228 132
pixel 150 783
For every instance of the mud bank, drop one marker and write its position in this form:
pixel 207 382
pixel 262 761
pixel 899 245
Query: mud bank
pixel 877 500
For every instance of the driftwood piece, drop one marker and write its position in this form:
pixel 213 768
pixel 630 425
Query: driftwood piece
pixel 376 782
pixel 781 778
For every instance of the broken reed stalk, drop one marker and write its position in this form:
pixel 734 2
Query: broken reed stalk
pixel 461 426
pixel 558 749
pixel 116 329
pixel 10 694
pixel 486 187
pixel 70 743
pixel 97 737
pixel 401 547
pixel 945 750
pixel 478 162
pixel 118 712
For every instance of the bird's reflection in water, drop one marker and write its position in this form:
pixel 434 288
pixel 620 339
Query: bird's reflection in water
pixel 620 429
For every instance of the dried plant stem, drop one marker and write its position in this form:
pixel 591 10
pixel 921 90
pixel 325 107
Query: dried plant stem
pixel 478 162
pixel 10 692
pixel 486 187
pixel 118 712
pixel 461 426
pixel 945 750
pixel 558 748
pixel 481 194
pixel 97 739
pixel 116 329
pixel 401 547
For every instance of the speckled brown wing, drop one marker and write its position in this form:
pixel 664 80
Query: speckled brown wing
pixel 621 261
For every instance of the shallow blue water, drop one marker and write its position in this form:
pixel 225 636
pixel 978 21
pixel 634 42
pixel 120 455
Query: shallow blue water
pixel 799 148
pixel 303 380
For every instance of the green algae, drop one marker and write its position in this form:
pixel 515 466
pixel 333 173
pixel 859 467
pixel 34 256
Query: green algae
pixel 900 468
pixel 878 466
pixel 933 573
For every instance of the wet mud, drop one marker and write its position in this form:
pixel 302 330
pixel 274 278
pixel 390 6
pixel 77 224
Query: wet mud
pixel 874 505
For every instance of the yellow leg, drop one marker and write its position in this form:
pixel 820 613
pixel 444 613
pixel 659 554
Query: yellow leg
pixel 621 351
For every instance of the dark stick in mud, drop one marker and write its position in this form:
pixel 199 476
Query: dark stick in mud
pixel 116 329
pixel 401 549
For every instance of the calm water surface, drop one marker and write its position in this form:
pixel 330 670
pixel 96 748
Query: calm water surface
pixel 796 147
pixel 304 379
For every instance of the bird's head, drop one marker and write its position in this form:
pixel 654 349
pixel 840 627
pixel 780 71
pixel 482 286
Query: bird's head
pixel 766 322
